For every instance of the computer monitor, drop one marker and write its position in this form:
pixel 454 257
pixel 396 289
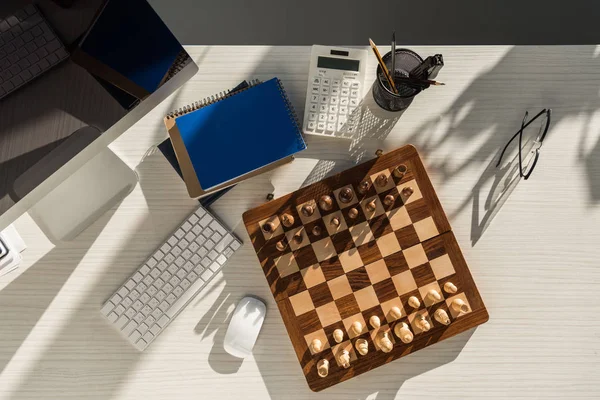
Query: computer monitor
pixel 121 61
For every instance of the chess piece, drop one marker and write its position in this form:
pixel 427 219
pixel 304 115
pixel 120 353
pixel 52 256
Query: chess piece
pixel 459 305
pixel 407 192
pixel 346 195
pixel 381 180
pixel 307 210
pixel 323 368
pixel 441 316
pixel 372 205
pixel 375 321
pixel 335 221
pixel 434 296
pixel 316 346
pixel 316 230
pixel 450 287
pixel 400 171
pixel 287 220
pixel 414 302
pixel 389 200
pixel 362 346
pixel 385 343
pixel 353 213
pixel 422 323
pixel 364 186
pixel 338 335
pixel 326 203
pixel 281 245
pixel 344 359
pixel 269 226
pixel 395 312
pixel 357 327
pixel 403 332
pixel 298 237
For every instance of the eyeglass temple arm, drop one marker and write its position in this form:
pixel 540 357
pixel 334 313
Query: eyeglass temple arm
pixel 517 134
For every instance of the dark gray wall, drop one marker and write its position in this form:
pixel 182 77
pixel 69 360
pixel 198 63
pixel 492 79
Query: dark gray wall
pixel 351 22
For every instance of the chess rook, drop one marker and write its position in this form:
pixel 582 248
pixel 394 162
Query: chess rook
pixel 323 368
pixel 269 226
pixel 326 203
pixel 346 195
pixel 400 171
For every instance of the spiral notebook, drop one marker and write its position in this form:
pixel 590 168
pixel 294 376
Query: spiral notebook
pixel 231 136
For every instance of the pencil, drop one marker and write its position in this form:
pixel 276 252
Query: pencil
pixel 383 67
pixel 394 55
pixel 417 81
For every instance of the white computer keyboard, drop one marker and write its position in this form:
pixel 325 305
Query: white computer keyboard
pixel 28 48
pixel 145 304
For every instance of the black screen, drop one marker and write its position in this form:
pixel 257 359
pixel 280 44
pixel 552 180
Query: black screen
pixel 338 63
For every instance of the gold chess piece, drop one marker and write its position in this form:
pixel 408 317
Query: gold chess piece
pixel 326 203
pixel 346 195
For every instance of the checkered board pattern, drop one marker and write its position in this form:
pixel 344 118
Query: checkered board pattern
pixel 363 267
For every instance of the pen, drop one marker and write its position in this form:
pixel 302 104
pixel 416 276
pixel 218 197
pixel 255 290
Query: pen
pixel 383 67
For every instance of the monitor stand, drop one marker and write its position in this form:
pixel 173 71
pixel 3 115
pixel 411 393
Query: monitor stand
pixel 83 197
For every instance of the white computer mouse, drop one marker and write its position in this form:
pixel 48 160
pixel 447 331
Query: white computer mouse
pixel 244 327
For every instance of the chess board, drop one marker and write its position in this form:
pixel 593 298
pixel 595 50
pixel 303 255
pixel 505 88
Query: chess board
pixel 366 265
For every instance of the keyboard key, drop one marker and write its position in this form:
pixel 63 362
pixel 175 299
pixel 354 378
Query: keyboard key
pixel 215 266
pixel 166 275
pixel 137 305
pixel 164 306
pixel 163 321
pixel 130 313
pixel 127 302
pixel 179 233
pixel 157 313
pixel 158 255
pixel 167 288
pixel 116 299
pixel 174 281
pixel 205 262
pixel 165 248
pixel 134 336
pixel 188 266
pixel 185 284
pixel 150 320
pixel 142 328
pixel 148 280
pixel 162 265
pixel 192 276
pixel 193 247
pixel 196 258
pixel 200 212
pixel 139 318
pixel 129 328
pixel 155 329
pixel 141 344
pixel 144 297
pixel 183 243
pixel 112 317
pixel 107 308
pixel 119 309
pixel 152 290
pixel 177 292
pixel 155 273
pixel 147 310
pixel 179 261
pixel 148 336
pixel 196 229
pixel 169 258
pixel 193 219
pixel 123 292
pixel 221 259
pixel 204 221
pixel 202 252
pixel 186 254
pixel 206 275
pixel 153 303
pixel 172 241
pixel 186 226
pixel 181 273
pixel 235 245
pixel 122 321
pixel 190 236
pixel 213 255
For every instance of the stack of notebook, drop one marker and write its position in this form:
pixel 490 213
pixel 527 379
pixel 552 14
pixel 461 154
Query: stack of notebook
pixel 225 139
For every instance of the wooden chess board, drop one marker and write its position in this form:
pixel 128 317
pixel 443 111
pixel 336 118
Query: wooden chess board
pixel 376 257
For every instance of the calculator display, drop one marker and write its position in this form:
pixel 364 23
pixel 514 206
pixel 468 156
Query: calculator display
pixel 338 63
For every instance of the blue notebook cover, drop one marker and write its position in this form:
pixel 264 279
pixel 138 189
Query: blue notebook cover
pixel 237 134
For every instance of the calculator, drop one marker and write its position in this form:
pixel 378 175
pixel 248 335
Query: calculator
pixel 335 85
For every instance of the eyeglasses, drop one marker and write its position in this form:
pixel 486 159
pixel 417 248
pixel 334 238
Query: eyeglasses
pixel 531 137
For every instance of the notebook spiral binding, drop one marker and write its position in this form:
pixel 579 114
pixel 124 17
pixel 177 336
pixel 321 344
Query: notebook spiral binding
pixel 291 110
pixel 209 100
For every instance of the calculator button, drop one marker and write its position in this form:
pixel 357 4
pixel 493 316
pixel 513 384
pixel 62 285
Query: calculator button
pixel 313 107
pixel 345 92
pixel 331 126
pixel 351 110
pixel 316 80
pixel 340 125
pixel 333 109
pixel 324 90
pixel 312 116
pixel 324 99
pixel 335 91
pixel 354 93
pixel 334 100
pixel 314 98
pixel 323 108
pixel 321 126
pixel 355 85
pixel 336 82
pixel 343 110
pixel 322 117
pixel 332 118
pixel 353 102
pixel 325 82
pixel 344 101
pixel 342 119
pixel 315 90
pixel 346 84
pixel 312 125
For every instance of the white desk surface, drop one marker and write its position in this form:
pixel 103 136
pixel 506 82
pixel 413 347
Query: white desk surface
pixel 536 265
